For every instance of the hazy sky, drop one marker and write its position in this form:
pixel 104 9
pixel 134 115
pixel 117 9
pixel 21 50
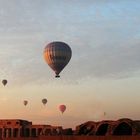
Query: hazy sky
pixel 102 76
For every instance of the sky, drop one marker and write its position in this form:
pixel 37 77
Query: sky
pixel 103 74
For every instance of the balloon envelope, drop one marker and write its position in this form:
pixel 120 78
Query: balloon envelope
pixel 4 82
pixel 44 101
pixel 62 108
pixel 25 102
pixel 57 55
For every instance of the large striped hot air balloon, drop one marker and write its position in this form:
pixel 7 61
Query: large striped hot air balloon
pixel 57 55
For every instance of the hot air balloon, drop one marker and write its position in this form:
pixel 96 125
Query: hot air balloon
pixel 25 102
pixel 4 82
pixel 44 101
pixel 62 108
pixel 57 55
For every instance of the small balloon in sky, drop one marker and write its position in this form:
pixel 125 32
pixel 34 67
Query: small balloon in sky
pixel 62 108
pixel 4 82
pixel 44 101
pixel 25 102
pixel 57 55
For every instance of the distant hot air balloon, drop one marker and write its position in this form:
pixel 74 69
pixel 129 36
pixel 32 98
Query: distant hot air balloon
pixel 25 102
pixel 57 55
pixel 44 101
pixel 4 82
pixel 62 108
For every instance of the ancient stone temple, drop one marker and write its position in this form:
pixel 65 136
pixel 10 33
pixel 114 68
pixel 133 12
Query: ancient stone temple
pixel 21 128
pixel 15 128
pixel 107 128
